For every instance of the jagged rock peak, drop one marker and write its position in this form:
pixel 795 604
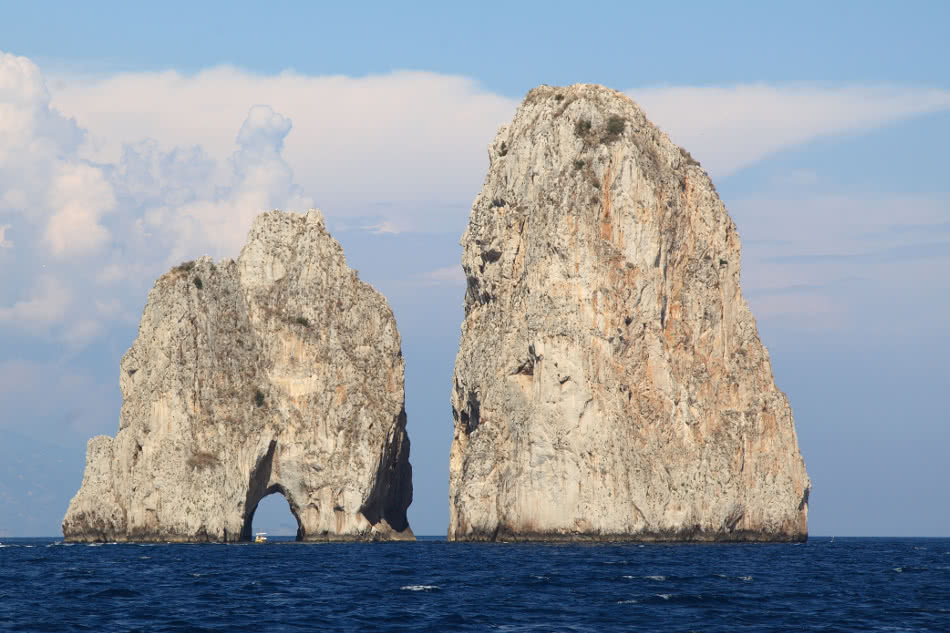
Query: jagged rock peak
pixel 610 382
pixel 279 372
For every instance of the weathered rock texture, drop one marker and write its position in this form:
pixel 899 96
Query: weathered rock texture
pixel 610 382
pixel 278 372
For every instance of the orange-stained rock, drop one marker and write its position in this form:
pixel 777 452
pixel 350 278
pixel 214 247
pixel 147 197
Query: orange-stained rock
pixel 610 382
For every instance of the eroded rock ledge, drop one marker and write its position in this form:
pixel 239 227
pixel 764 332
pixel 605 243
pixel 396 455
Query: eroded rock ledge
pixel 278 372
pixel 610 383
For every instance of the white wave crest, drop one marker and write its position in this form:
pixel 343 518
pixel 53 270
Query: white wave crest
pixel 420 588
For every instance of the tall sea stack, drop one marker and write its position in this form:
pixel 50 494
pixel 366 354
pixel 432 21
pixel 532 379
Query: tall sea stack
pixel 278 372
pixel 610 383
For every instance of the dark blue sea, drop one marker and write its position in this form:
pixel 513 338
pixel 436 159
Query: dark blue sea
pixel 848 584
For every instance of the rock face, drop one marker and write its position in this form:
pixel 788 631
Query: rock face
pixel 610 382
pixel 278 372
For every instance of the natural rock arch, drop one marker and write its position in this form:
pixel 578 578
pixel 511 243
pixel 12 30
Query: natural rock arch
pixel 261 486
pixel 281 372
pixel 248 532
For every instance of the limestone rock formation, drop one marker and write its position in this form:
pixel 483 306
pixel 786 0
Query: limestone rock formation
pixel 610 382
pixel 278 372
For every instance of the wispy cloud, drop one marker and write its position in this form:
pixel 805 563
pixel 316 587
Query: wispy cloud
pixel 810 311
pixel 385 227
pixel 452 275
pixel 835 285
pixel 882 256
pixel 46 305
pixel 730 127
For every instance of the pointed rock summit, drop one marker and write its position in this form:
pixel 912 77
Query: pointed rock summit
pixel 610 383
pixel 279 372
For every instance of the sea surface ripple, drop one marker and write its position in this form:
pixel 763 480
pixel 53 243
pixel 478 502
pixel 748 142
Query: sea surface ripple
pixel 849 584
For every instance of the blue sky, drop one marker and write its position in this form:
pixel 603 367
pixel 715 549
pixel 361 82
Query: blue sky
pixel 134 137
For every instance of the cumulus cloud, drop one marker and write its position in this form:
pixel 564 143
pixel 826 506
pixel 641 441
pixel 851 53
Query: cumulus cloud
pixel 414 141
pixel 27 122
pixel 260 180
pixel 147 175
pixel 32 137
pixel 263 133
pixel 4 242
pixel 730 127
pixel 80 195
pixel 41 176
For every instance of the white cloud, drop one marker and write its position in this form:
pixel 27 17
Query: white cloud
pixel 413 140
pixel 260 180
pixel 33 136
pixel 26 119
pixel 4 242
pixel 41 177
pixel 381 228
pixel 80 196
pixel 46 306
pixel 263 132
pixel 146 174
pixel 730 127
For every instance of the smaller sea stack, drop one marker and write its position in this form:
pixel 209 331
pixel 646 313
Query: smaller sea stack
pixel 280 372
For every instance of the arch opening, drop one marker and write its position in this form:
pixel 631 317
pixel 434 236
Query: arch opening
pixel 258 489
pixel 272 515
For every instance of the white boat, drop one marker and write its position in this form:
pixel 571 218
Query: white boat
pixel 260 537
